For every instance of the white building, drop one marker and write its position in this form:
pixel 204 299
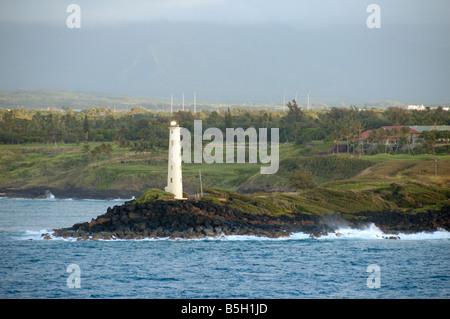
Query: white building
pixel 422 108
pixel 416 107
pixel 174 175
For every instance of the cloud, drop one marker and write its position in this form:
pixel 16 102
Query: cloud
pixel 303 14
pixel 106 12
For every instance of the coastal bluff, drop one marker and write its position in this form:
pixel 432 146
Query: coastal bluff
pixel 156 215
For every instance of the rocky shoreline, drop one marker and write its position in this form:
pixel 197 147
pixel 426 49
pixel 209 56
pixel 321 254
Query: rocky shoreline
pixel 202 218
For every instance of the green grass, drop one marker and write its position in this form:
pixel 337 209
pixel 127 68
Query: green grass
pixel 326 201
pixel 406 157
pixel 153 194
pixel 346 184
pixel 223 176
pixel 29 166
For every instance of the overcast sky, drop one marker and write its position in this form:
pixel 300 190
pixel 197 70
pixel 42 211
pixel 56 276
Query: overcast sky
pixel 326 42
pixel 312 13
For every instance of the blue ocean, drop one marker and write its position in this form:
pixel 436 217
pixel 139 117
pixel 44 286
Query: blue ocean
pixel 347 264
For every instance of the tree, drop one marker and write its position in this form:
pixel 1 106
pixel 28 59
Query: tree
pixel 381 138
pixel 389 134
pixel 347 134
pixel 336 138
pixel 86 127
pixel 87 150
pixel 358 128
pixel 398 116
pixel 295 113
pixel 51 125
pixel 302 179
pixel 407 133
pixel 141 146
pixel 8 120
pixel 228 119
pixel 429 141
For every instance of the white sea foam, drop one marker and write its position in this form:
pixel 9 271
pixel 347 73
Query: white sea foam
pixel 32 234
pixel 369 233
pixel 440 234
pixel 49 195
pixel 373 232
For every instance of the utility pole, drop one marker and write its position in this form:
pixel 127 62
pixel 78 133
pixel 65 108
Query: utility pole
pixel 201 185
pixel 195 102
pixel 183 101
pixel 308 99
pixel 420 174
pixel 435 166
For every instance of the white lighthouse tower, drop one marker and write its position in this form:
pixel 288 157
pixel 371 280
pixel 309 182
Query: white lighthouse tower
pixel 174 175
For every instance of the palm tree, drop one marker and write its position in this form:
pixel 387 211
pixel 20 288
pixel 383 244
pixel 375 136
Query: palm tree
pixel 389 134
pixel 381 138
pixel 394 134
pixel 346 133
pixel 408 139
pixel 336 124
pixel 404 133
pixel 335 137
pixel 359 128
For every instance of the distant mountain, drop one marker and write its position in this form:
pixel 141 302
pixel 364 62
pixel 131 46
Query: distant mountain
pixel 57 99
pixel 226 63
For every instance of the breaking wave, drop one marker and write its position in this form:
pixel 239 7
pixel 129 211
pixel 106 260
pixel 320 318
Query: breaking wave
pixel 49 195
pixel 371 232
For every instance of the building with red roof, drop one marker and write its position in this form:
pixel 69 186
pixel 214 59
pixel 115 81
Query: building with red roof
pixel 391 134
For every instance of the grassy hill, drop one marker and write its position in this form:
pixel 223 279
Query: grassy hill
pixel 344 183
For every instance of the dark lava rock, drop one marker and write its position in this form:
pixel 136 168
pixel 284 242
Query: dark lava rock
pixel 200 218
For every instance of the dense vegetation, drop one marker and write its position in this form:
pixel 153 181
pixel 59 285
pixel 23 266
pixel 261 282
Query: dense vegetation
pixel 142 130
pixel 101 150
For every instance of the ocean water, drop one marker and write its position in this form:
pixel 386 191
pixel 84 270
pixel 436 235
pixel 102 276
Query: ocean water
pixel 348 264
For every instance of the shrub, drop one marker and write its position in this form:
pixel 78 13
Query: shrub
pixel 154 194
pixel 302 179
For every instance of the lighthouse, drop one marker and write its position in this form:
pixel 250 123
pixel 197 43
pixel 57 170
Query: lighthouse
pixel 174 175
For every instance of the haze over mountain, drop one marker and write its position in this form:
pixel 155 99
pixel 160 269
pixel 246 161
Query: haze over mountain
pixel 249 57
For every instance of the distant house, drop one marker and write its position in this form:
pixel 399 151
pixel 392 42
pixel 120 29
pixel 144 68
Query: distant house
pixel 416 107
pixel 423 108
pixel 391 135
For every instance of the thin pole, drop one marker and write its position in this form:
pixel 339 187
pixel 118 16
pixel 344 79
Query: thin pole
pixel 308 99
pixel 201 185
pixel 435 166
pixel 183 101
pixel 195 102
pixel 420 174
